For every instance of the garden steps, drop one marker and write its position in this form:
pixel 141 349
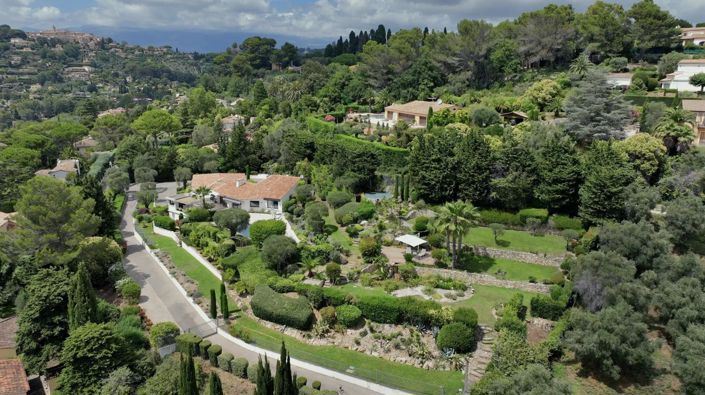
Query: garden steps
pixel 479 360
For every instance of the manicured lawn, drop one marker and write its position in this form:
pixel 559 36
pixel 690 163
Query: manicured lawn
pixel 357 364
pixel 356 290
pixel 486 297
pixel 188 264
pixel 250 265
pixel 516 240
pixel 515 271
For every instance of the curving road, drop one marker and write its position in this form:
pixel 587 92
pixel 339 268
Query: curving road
pixel 163 301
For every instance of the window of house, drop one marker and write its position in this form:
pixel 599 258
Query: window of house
pixel 254 204
pixel 275 203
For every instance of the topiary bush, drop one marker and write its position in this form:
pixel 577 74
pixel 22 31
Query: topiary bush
pixel 328 315
pixel 545 307
pixel 188 344
pixel 347 214
pixel 213 353
pixel 301 381
pixel 348 315
pixel 540 214
pixel 252 373
pixel 163 333
pixel 421 224
pixel 203 348
pixel 316 385
pixel 271 306
pixel 261 230
pixel 339 198
pixel 455 336
pixel 466 316
pixel 500 217
pixel 224 361
pixel 563 222
pixel 239 367
pixel 365 210
pixel 164 222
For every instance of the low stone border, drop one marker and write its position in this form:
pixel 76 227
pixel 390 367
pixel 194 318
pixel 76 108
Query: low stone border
pixel 483 279
pixel 521 256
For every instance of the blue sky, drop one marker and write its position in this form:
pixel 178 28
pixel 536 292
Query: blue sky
pixel 303 21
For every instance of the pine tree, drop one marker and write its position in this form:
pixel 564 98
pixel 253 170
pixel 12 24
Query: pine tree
pixel 83 305
pixel 224 308
pixel 215 387
pixel 187 378
pixel 214 306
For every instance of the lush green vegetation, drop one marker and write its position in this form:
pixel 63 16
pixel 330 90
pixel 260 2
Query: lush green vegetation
pixel 485 298
pixel 517 240
pixel 508 269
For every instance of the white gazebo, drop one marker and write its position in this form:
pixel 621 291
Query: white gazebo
pixel 412 243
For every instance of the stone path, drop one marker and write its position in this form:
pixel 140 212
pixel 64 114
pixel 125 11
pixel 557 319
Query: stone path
pixel 480 358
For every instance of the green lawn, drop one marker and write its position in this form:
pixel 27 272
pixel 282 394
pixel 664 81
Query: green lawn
pixel 486 297
pixel 515 271
pixel 516 240
pixel 119 201
pixel 357 290
pixel 250 265
pixel 340 235
pixel 188 264
pixel 357 364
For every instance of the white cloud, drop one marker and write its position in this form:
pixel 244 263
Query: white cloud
pixel 319 19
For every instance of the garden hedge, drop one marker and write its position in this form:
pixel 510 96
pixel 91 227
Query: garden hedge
pixel 455 336
pixel 338 199
pixel 188 344
pixel 348 315
pixel 238 367
pixel 499 217
pixel 545 307
pixel 562 222
pixel 198 214
pixel 539 213
pixel 261 230
pixel 213 352
pixel 301 381
pixel 203 348
pixel 252 373
pixel 271 306
pixel 163 333
pixel 164 222
pixel 224 361
pixel 467 316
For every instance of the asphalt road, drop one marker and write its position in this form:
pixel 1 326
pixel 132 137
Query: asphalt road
pixel 163 302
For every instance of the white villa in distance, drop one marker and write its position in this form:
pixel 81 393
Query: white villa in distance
pixel 693 35
pixel 261 193
pixel 63 168
pixel 680 79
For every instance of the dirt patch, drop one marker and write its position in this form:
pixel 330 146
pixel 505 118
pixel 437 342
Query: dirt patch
pixel 231 383
pixel 537 330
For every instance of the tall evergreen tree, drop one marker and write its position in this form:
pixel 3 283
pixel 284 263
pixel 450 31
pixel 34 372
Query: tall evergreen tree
pixel 224 308
pixel 429 121
pixel 559 175
pixel 265 384
pixel 284 383
pixel 433 167
pixel 474 168
pixel 102 208
pixel 187 377
pixel 396 187
pixel 214 306
pixel 402 188
pixel 83 305
pixel 215 387
pixel 407 187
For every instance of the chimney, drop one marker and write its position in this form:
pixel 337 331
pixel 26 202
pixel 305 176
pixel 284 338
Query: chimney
pixel 240 183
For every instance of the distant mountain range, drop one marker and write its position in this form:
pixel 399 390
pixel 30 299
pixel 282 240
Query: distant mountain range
pixel 189 41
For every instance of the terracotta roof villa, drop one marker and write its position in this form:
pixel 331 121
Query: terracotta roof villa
pixel 63 168
pixel 261 192
pixel 414 112
pixel 697 107
pixel 13 379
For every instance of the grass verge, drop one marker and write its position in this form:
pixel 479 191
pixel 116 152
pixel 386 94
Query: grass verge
pixel 513 270
pixel 516 240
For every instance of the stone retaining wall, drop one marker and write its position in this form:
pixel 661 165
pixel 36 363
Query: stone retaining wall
pixel 483 279
pixel 526 257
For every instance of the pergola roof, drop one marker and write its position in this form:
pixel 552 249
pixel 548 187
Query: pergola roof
pixel 411 240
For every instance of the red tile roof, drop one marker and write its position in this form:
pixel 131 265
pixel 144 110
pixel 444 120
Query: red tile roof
pixel 236 186
pixel 13 379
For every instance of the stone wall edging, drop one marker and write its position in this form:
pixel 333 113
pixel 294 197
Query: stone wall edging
pixel 521 256
pixel 484 279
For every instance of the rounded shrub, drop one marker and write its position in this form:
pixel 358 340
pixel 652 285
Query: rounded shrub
pixel 455 336
pixel 339 198
pixel 252 373
pixel 164 222
pixel 348 315
pixel 465 315
pixel 271 306
pixel 203 348
pixel 328 315
pixel 213 353
pixel 261 230
pixel 421 224
pixel 130 291
pixel 224 361
pixel 347 214
pixel 163 333
pixel 316 385
pixel 198 214
pixel 301 381
pixel 188 344
pixel 369 247
pixel 278 252
pixel 239 367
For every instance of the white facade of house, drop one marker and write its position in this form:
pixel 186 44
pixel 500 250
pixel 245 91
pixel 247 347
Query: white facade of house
pixel 680 79
pixel 620 80
pixel 693 35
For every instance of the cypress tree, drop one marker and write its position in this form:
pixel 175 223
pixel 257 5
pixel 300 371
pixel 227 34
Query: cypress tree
pixel 83 305
pixel 396 187
pixel 279 388
pixel 402 188
pixel 214 306
pixel 215 387
pixel 429 122
pixel 187 379
pixel 407 185
pixel 224 308
pixel 265 384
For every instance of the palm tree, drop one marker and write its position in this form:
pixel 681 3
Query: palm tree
pixel 309 264
pixel 676 129
pixel 455 220
pixel 203 191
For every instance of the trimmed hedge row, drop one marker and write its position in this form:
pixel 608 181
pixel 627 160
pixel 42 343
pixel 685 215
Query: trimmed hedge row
pixel 224 361
pixel 187 343
pixel 499 217
pixel 537 213
pixel 164 222
pixel 271 306
pixel 544 306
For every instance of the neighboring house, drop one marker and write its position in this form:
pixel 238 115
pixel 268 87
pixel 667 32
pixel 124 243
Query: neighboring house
pixel 697 107
pixel 680 79
pixel 112 111
pixel 85 144
pixel 7 222
pixel 620 80
pixel 13 378
pixel 63 168
pixel 414 112
pixel 261 192
pixel 693 36
pixel 514 117
pixel 231 121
